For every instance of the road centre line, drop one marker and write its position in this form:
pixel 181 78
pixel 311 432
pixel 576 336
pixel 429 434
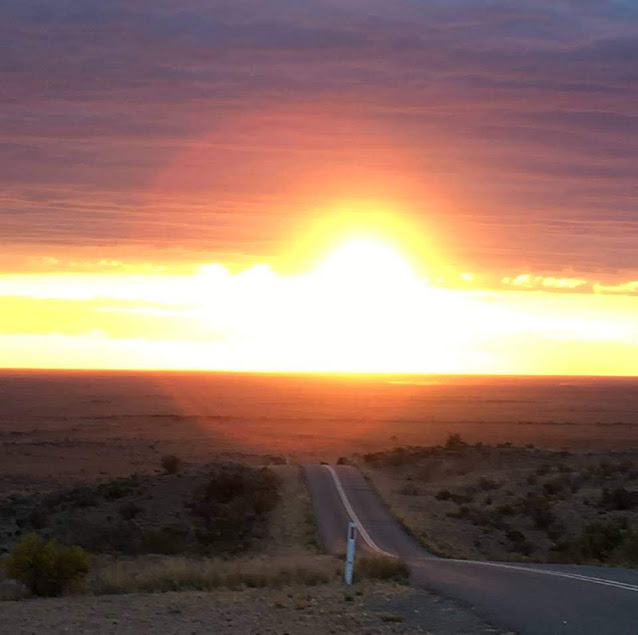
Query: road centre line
pixel 559 574
pixel 353 516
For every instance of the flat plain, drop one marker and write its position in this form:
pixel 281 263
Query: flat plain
pixel 60 427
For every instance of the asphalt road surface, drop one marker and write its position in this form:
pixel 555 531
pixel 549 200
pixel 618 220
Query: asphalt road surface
pixel 527 598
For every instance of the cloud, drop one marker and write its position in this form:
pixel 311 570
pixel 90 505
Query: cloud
pixel 627 288
pixel 528 281
pixel 216 126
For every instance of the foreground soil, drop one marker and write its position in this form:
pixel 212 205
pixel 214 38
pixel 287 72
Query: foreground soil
pixel 378 608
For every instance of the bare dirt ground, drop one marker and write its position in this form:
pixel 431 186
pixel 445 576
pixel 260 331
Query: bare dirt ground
pixel 369 609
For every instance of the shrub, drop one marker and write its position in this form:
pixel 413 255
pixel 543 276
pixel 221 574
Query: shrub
pixel 454 442
pixel 514 535
pixel 487 484
pixel 525 547
pixel 171 463
pixel 553 488
pixel 628 550
pixel 46 568
pixel 80 496
pixel 227 506
pixel 382 568
pixel 606 470
pixel 117 488
pixel 397 457
pixel 599 538
pixel 128 511
pixel 461 499
pixel 556 531
pixel 618 499
pixel 443 495
pixel 38 518
pixel 539 509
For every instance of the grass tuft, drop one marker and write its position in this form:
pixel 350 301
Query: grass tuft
pixel 160 574
pixel 382 568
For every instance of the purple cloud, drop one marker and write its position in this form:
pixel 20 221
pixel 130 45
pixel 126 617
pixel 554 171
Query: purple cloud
pixel 522 115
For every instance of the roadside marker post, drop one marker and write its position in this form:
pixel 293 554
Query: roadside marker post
pixel 350 553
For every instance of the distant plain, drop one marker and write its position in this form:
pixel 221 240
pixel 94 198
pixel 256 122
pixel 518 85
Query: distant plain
pixel 58 427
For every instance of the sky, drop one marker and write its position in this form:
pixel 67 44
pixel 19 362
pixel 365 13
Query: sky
pixel 443 186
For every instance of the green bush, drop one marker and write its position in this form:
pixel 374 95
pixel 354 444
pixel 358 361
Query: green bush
pixel 46 568
pixel 599 538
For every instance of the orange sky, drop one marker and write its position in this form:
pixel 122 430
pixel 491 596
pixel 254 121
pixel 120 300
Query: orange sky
pixel 175 185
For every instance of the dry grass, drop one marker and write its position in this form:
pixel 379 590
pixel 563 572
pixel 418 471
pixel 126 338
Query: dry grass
pixel 415 523
pixel 381 568
pixel 160 574
pixel 287 555
pixel 292 526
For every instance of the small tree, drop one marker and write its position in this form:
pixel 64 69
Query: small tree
pixel 171 463
pixel 45 568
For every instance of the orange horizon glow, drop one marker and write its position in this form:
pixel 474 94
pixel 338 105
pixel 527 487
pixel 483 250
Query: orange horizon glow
pixel 364 306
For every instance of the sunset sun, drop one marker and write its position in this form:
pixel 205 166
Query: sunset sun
pixel 367 261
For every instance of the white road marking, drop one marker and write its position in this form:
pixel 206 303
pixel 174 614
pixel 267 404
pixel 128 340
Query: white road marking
pixel 559 574
pixel 353 516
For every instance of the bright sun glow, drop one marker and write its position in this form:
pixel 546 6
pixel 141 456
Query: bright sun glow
pixel 361 308
pixel 366 261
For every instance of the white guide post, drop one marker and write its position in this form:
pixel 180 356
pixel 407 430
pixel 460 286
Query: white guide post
pixel 350 553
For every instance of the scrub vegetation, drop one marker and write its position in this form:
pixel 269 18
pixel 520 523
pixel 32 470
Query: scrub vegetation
pixel 513 503
pixel 225 525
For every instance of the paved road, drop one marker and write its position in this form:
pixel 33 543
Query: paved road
pixel 536 599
